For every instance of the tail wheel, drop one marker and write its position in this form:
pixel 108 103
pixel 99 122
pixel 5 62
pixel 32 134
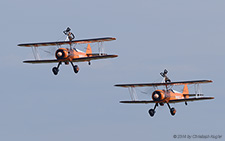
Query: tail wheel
pixel 151 112
pixel 55 70
pixel 173 111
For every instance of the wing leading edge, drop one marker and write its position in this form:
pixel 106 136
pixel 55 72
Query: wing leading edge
pixel 171 101
pixel 163 84
pixel 138 102
pixel 57 43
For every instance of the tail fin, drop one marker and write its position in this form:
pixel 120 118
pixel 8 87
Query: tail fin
pixel 186 91
pixel 89 51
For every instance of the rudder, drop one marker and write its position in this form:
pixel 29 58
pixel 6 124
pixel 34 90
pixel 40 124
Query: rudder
pixel 186 91
pixel 89 51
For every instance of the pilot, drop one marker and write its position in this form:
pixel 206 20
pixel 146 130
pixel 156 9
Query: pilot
pixel 69 34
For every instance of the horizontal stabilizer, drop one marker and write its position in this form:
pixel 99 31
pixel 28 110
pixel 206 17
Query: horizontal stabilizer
pixel 190 99
pixel 84 59
pixel 193 94
pixel 95 54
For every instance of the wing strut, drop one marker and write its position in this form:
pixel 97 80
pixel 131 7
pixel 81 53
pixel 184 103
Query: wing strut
pixel 198 90
pixel 133 94
pixel 100 48
pixel 35 53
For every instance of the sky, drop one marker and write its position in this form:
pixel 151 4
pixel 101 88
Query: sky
pixel 185 37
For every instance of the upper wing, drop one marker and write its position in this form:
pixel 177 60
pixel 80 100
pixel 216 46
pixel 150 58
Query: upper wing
pixel 190 99
pixel 163 84
pixel 139 102
pixel 81 59
pixel 84 41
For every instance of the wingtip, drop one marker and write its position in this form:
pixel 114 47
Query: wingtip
pixel 19 45
pixel 113 38
pixel 114 55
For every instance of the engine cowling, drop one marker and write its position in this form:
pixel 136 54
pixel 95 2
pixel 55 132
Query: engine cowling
pixel 61 53
pixel 158 95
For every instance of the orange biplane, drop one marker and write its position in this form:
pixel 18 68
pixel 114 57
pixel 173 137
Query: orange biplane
pixel 71 54
pixel 167 95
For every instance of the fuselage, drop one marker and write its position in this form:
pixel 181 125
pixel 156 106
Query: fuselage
pixel 67 55
pixel 164 96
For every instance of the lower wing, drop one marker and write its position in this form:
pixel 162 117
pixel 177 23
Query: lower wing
pixel 139 102
pixel 171 101
pixel 81 59
pixel 190 99
pixel 41 61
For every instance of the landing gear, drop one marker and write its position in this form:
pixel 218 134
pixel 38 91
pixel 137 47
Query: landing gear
pixel 89 63
pixel 152 111
pixel 172 110
pixel 55 70
pixel 161 104
pixel 75 68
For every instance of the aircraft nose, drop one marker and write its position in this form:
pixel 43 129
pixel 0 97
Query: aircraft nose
pixel 59 54
pixel 156 96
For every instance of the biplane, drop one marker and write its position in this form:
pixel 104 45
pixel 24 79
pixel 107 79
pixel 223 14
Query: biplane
pixel 71 54
pixel 167 95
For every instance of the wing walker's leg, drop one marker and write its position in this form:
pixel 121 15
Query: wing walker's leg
pixel 55 70
pixel 172 110
pixel 152 111
pixel 75 67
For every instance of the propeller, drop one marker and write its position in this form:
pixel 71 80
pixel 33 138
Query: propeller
pixel 148 91
pixel 48 52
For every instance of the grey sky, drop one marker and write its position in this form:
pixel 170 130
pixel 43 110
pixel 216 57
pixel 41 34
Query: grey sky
pixel 186 37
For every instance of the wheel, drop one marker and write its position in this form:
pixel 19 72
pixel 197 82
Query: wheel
pixel 173 111
pixel 55 70
pixel 161 104
pixel 151 112
pixel 76 69
pixel 89 63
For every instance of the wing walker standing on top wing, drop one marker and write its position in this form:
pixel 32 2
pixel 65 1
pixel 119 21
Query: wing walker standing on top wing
pixel 167 95
pixel 71 54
